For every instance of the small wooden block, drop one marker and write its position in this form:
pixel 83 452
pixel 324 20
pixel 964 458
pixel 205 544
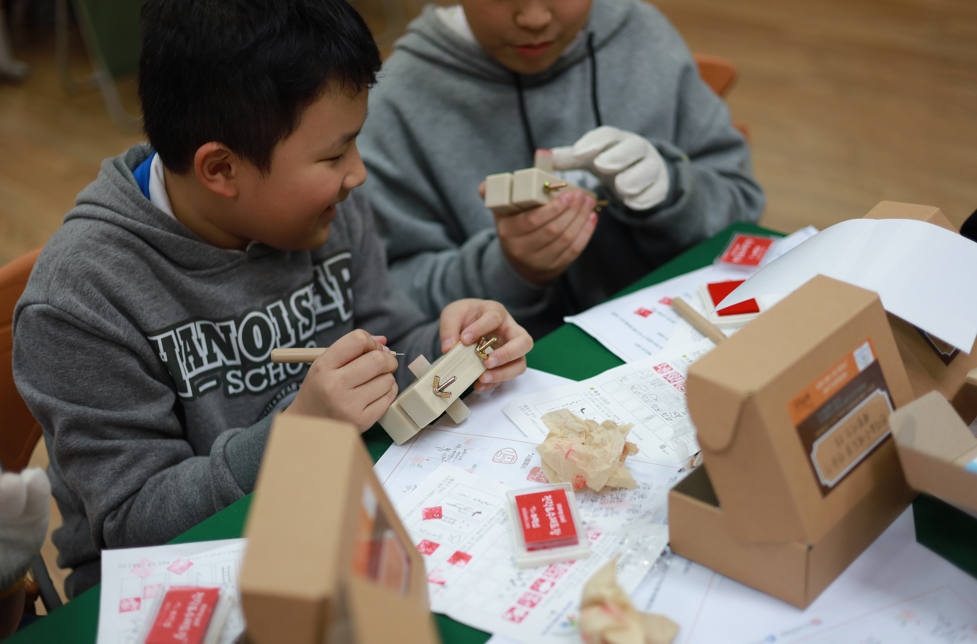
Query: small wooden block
pixel 528 188
pixel 417 406
pixel 458 411
pixel 543 160
pixel 498 193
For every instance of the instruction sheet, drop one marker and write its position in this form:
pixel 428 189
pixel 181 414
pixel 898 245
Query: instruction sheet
pixel 643 323
pixel 459 522
pixel 649 393
pixel 132 577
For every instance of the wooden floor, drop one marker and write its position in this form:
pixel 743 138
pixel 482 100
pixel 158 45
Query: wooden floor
pixel 849 102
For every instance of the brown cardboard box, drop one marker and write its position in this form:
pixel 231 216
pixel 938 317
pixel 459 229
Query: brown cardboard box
pixel 327 559
pixel 935 447
pixel 932 365
pixel 792 417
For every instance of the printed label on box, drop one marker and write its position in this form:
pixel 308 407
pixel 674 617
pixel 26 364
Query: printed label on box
pixel 184 616
pixel 378 554
pixel 546 519
pixel 945 352
pixel 746 250
pixel 843 416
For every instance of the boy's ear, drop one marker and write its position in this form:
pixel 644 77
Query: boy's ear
pixel 218 169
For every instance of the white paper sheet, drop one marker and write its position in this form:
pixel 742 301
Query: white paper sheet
pixel 131 577
pixel 472 574
pixel 643 323
pixel 922 273
pixel 649 393
pixel 896 591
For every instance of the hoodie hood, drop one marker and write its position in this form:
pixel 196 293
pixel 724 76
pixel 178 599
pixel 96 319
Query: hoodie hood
pixel 430 39
pixel 115 198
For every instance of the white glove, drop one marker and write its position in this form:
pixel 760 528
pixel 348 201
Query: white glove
pixel 25 501
pixel 626 163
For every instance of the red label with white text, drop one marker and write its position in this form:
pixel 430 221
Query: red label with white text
pixel 746 250
pixel 184 615
pixel 546 520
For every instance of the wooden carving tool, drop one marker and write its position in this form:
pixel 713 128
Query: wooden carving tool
pixel 302 354
pixel 701 324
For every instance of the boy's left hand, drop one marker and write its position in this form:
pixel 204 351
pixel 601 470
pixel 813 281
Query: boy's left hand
pixel 625 162
pixel 468 320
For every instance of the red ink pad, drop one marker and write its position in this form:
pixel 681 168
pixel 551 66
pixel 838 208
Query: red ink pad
pixel 546 525
pixel 718 292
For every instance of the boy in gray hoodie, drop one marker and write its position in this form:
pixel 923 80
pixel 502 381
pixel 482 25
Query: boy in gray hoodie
pixel 473 90
pixel 142 341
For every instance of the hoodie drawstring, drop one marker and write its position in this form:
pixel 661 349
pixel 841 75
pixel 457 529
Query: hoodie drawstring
pixel 524 116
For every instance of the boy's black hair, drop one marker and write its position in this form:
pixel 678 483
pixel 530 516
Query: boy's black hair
pixel 241 72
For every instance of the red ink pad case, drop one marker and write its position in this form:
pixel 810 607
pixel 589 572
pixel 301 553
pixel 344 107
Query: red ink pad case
pixel 731 316
pixel 187 615
pixel 745 251
pixel 546 526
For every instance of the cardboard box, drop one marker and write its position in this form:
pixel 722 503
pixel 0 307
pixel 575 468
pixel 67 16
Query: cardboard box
pixel 932 365
pixel 327 559
pixel 792 417
pixel 936 449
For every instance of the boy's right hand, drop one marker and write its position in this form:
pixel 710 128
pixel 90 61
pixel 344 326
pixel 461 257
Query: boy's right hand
pixel 353 381
pixel 542 242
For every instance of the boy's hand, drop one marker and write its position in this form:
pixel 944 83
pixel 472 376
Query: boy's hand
pixel 626 163
pixel 542 242
pixel 352 381
pixel 469 320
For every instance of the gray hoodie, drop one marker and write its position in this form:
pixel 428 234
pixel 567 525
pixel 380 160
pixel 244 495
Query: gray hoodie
pixel 445 114
pixel 144 354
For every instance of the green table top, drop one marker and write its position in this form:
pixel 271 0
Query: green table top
pixel 77 621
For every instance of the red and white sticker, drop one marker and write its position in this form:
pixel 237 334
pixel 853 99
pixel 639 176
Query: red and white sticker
pixel 746 250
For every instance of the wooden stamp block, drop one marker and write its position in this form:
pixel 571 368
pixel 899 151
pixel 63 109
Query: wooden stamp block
pixel 509 193
pixel 421 402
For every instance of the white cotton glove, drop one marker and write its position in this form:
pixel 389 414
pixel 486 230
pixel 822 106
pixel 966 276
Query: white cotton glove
pixel 626 163
pixel 25 501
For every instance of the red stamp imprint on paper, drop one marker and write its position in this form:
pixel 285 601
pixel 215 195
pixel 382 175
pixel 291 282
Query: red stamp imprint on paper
pixel 149 591
pixel 179 566
pixel 431 513
pixel 536 474
pixel 129 604
pixel 529 599
pixel 143 569
pixel 543 585
pixel 459 559
pixel 426 547
pixel 515 614
pixel 506 456
pixel 667 301
pixel 436 576
pixel 643 312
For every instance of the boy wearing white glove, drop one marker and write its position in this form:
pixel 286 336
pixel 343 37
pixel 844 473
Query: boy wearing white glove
pixel 25 501
pixel 611 88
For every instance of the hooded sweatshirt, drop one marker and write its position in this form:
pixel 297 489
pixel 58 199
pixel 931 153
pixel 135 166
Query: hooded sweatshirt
pixel 444 115
pixel 143 352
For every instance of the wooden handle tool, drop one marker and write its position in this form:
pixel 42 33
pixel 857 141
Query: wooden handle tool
pixel 302 354
pixel 703 325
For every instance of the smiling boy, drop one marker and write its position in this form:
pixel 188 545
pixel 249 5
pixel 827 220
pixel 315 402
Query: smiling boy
pixel 142 341
pixel 475 89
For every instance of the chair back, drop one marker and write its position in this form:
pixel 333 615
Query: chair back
pixel 718 73
pixel 20 432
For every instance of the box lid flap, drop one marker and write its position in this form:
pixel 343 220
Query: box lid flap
pixel 897 210
pixel 710 409
pixel 931 426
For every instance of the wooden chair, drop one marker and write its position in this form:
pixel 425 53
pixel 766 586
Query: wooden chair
pixel 720 75
pixel 19 432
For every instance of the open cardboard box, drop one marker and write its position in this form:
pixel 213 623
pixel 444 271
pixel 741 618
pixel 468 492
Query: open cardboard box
pixel 931 364
pixel 792 416
pixel 936 449
pixel 327 559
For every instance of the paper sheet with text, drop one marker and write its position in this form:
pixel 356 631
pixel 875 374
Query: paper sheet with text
pixel 459 522
pixel 643 323
pixel 132 577
pixel 649 393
